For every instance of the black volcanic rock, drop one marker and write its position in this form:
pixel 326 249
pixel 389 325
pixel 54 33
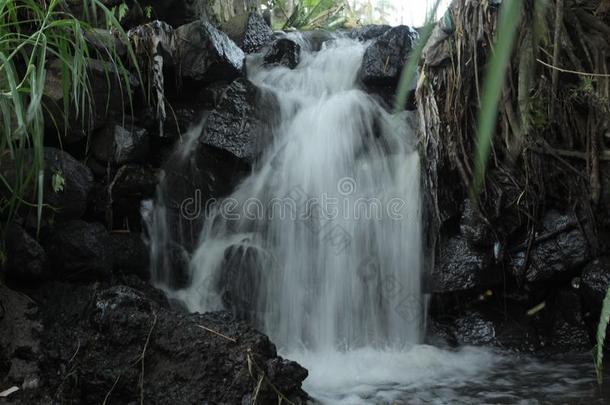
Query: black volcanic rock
pixel 386 56
pixel 284 52
pixel 204 54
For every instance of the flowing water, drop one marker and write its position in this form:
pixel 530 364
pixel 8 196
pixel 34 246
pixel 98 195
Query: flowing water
pixel 329 225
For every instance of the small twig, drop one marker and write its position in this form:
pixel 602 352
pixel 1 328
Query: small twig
pixel 142 358
pixel 217 333
pixel 575 72
pixel 111 389
pixel 76 352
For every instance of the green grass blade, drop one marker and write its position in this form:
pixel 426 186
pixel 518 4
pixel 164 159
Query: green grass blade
pixel 510 15
pixel 604 318
pixel 409 71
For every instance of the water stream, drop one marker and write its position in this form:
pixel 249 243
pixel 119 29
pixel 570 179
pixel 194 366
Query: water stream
pixel 329 229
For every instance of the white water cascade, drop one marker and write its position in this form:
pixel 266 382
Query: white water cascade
pixel 323 244
pixel 321 250
pixel 334 210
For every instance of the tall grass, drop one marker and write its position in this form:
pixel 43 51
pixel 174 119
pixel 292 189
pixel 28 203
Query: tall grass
pixel 32 33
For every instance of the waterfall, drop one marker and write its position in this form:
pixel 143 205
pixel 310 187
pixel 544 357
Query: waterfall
pixel 322 249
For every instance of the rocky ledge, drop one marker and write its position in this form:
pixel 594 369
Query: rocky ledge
pixel 123 343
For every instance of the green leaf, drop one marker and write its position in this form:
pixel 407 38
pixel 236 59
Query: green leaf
pixel 604 318
pixel 58 182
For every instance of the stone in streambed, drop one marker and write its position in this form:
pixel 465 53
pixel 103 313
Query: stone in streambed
pixel 240 123
pixel 284 52
pixel 460 267
pixel 386 56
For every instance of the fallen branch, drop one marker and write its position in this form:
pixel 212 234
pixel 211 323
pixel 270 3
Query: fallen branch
pixel 217 333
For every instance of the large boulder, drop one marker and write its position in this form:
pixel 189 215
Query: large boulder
pixel 386 56
pixel 118 145
pixel 204 54
pixel 240 123
pixel 66 187
pixel 561 249
pixel 26 259
pixel 249 31
pixel 460 267
pixel 124 334
pixel 284 52
pixel 80 251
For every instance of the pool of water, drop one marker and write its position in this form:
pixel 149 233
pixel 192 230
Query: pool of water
pixel 429 375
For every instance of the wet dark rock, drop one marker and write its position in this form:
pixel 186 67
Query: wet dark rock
pixel 120 330
pixel 368 32
pixel 284 52
pixel 286 374
pixel 206 54
pixel 26 259
pixel 119 145
pixel 20 331
pixel 239 124
pixel 459 266
pixel 562 251
pixel 131 184
pixel 474 329
pixel 386 56
pixel 595 281
pixel 80 251
pixel 249 31
pixel 130 254
pixel 242 271
pixel 473 226
pixel 66 202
